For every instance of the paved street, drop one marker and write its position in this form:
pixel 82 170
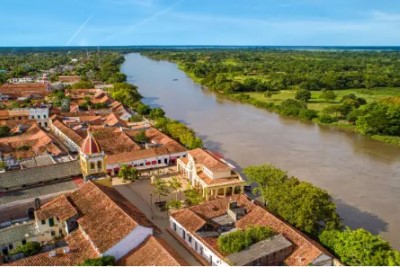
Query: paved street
pixel 138 193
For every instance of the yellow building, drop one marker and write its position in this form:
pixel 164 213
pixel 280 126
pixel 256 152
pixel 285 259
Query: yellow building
pixel 92 158
pixel 212 175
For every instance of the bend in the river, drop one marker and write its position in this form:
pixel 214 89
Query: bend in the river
pixel 362 175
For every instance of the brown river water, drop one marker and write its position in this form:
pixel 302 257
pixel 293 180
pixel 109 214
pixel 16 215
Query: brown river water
pixel 362 175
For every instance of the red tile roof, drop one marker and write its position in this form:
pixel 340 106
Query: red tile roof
pixel 69 79
pixel 59 207
pixel 305 251
pixel 34 139
pixel 105 215
pixel 205 158
pixel 80 249
pixel 153 252
pixel 89 145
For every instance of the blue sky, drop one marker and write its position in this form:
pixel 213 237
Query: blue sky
pixel 199 22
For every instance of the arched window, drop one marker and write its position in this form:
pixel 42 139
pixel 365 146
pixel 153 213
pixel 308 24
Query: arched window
pixel 92 166
pixel 99 165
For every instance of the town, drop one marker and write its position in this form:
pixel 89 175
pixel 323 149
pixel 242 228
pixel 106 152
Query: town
pixel 85 177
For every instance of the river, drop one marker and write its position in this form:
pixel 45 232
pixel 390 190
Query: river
pixel 361 174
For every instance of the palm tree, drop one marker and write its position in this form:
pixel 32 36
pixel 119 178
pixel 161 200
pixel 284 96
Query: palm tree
pixel 175 184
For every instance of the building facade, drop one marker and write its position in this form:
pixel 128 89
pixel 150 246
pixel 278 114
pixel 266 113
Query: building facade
pixel 212 175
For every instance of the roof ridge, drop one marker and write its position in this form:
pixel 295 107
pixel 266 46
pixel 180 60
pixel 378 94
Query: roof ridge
pixel 98 187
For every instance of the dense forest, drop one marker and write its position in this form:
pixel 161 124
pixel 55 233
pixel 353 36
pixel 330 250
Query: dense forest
pixel 355 90
pixel 97 66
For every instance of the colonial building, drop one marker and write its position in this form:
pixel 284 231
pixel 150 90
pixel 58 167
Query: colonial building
pixel 119 144
pixel 199 227
pixel 92 158
pixel 214 176
pixel 28 142
pixel 97 221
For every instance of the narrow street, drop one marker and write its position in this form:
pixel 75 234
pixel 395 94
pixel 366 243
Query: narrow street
pixel 138 193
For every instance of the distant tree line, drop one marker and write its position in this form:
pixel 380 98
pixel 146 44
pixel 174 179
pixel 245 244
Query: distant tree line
pixel 247 71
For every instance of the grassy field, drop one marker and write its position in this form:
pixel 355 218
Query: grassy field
pixel 319 104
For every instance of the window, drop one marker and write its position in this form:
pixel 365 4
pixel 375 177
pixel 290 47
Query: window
pixel 99 165
pixel 141 164
pixel 92 166
pixel 45 124
pixel 53 233
pixel 51 222
pixel 38 116
pixel 44 116
pixel 159 161
pixel 43 221
pixel 174 226
pixel 190 238
pixel 195 245
pixel 60 231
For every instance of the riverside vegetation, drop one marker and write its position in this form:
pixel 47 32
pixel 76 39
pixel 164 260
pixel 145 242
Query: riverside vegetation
pixel 312 210
pixel 356 91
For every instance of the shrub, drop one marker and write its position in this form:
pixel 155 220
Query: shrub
pixel 325 118
pixel 29 249
pixel 103 261
pixel 303 95
pixel 307 114
pixel 291 107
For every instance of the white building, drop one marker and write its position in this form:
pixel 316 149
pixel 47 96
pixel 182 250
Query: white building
pixel 199 227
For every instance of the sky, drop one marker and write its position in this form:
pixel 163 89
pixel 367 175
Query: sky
pixel 199 22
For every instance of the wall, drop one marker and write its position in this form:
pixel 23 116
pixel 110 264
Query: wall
pixel 131 241
pixel 207 253
pixel 140 164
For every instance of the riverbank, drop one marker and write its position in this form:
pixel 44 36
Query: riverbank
pixel 272 102
pixel 361 174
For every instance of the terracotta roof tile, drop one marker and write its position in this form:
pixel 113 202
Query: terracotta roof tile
pixel 105 215
pixel 212 163
pixel 305 251
pixel 152 252
pixel 59 207
pixel 80 250
pixel 76 138
pixel 35 139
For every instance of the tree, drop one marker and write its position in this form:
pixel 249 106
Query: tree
pixel 141 137
pixel 303 95
pixel 175 184
pixel 193 196
pixel 65 104
pixel 161 188
pixel 103 261
pixel 4 131
pixel 29 249
pixel 128 173
pixel 143 109
pixel 303 205
pixel 156 113
pixel 328 95
pixel 238 240
pixel 307 114
pixel 82 85
pixel 359 247
pixel 292 107
pixel 174 204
